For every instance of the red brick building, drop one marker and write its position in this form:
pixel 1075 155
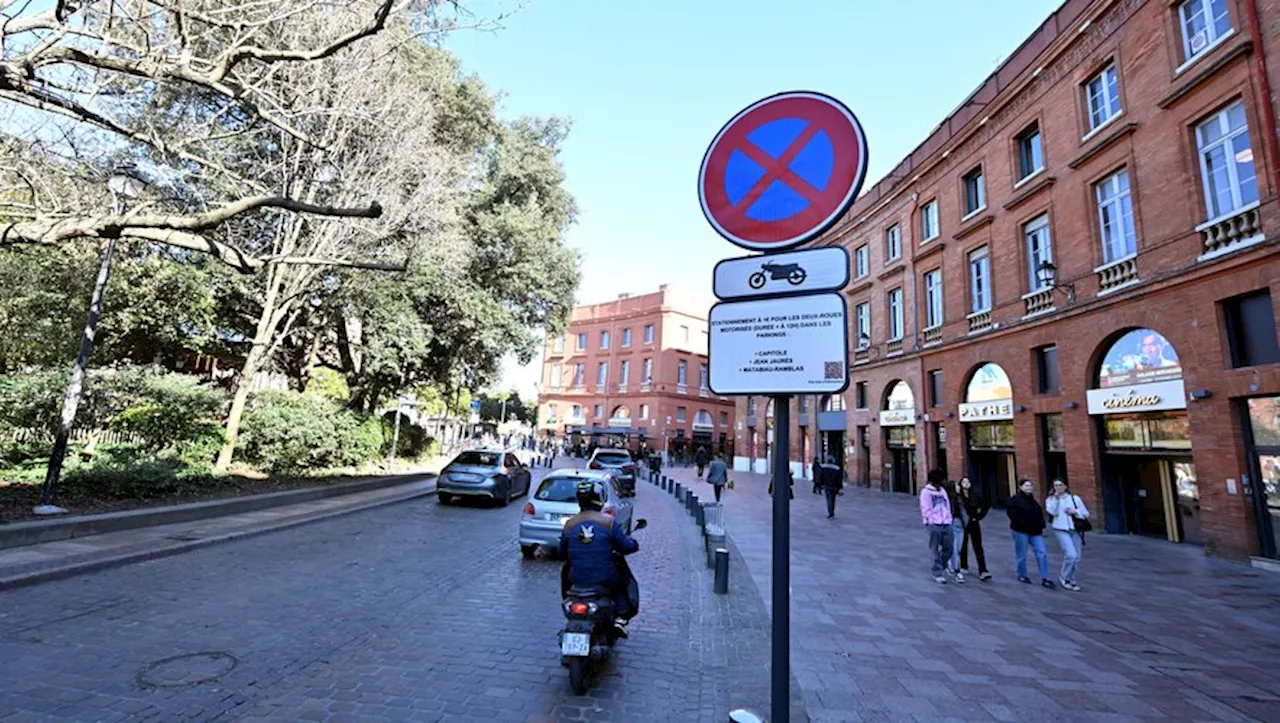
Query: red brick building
pixel 1075 276
pixel 634 371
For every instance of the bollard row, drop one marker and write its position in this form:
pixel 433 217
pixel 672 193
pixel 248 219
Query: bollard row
pixel 709 516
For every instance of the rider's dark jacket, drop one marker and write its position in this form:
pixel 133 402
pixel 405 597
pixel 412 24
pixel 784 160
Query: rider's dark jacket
pixel 588 543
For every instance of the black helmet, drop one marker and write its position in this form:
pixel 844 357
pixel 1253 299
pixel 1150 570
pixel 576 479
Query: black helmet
pixel 589 497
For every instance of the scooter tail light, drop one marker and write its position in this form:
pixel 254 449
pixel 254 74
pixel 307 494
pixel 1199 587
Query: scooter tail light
pixel 578 608
pixel 529 511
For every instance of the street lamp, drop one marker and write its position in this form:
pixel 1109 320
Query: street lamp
pixel 1047 275
pixel 121 184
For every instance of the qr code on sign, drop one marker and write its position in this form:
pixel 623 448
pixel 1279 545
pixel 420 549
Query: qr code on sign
pixel 832 370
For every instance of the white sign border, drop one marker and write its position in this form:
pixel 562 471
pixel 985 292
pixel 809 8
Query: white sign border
pixel 846 266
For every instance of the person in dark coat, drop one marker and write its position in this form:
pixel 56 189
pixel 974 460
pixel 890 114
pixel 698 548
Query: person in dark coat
pixel 976 508
pixel 832 480
pixel 700 459
pixel 1026 520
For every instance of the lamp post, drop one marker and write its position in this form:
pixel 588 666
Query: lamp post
pixel 1047 275
pixel 121 184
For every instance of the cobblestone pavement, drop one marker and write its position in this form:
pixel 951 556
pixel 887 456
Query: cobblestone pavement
pixel 1159 633
pixel 408 612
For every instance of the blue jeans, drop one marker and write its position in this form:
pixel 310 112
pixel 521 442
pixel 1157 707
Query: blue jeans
pixel 1020 542
pixel 957 538
pixel 940 538
pixel 1070 543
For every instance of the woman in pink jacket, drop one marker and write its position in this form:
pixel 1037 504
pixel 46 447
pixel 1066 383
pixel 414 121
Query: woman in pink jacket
pixel 935 511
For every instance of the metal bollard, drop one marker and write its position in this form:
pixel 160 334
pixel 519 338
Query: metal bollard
pixel 679 492
pixel 700 514
pixel 744 716
pixel 722 571
pixel 715 541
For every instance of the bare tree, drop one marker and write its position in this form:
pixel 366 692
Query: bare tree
pixel 99 64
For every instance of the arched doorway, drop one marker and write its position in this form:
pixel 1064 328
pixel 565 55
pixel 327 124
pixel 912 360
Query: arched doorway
pixel 1149 479
pixel 987 416
pixel 704 428
pixel 833 422
pixel 898 424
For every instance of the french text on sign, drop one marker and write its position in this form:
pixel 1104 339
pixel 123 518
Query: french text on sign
pixel 795 272
pixel 782 171
pixel 786 345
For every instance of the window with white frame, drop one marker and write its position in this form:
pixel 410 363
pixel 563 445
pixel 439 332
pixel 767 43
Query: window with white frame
pixel 599 410
pixel 1103 95
pixel 646 375
pixel 648 333
pixel 979 280
pixel 682 373
pixel 604 340
pixel 975 194
pixel 1030 152
pixel 929 221
pixel 704 376
pixel 626 338
pixel 862 260
pixel 933 299
pixel 552 409
pixel 557 345
pixel 1203 23
pixel 602 372
pixel 1226 161
pixel 580 375
pixel 1115 218
pixel 1039 250
pixel 681 414
pixel 624 374
pixel 644 411
pixel 895 314
pixel 582 342
pixel 556 376
pixel 893 243
pixel 575 412
pixel 862 316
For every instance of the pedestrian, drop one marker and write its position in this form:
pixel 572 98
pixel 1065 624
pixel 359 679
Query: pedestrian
pixel 1026 521
pixel 975 508
pixel 700 459
pixel 935 512
pixel 832 481
pixel 1070 520
pixel 959 519
pixel 718 475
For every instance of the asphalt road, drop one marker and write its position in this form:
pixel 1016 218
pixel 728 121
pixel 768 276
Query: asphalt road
pixel 409 612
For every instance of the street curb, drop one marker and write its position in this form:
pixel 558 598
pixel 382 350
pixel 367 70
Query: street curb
pixel 22 534
pixel 65 571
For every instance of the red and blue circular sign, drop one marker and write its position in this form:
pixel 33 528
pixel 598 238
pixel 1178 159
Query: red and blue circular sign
pixel 783 170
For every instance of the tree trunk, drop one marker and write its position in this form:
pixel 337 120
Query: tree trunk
pixel 253 361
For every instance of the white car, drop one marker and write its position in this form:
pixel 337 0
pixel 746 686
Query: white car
pixel 557 500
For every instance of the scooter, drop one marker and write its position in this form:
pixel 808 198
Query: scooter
pixel 589 633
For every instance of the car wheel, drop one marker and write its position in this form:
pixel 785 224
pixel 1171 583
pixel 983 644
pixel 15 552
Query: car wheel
pixel 443 499
pixel 528 551
pixel 506 500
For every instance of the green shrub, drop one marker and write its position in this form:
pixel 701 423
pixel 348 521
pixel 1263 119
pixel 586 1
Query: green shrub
pixel 172 410
pixel 285 431
pixel 123 476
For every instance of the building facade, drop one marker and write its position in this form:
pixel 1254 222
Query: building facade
pixel 633 372
pixel 1076 277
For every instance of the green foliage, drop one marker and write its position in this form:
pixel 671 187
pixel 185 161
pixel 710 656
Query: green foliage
pixel 329 383
pixel 173 409
pixel 125 473
pixel 291 432
pixel 491 407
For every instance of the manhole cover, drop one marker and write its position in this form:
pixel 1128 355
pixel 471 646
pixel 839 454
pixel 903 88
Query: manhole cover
pixel 183 670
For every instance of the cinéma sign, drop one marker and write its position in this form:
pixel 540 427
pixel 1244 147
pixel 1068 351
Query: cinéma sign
pixel 789 345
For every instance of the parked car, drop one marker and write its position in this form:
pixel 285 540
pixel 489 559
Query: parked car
pixel 493 474
pixel 557 500
pixel 620 463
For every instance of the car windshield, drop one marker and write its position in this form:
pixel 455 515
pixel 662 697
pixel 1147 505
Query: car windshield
pixel 478 459
pixel 558 489
pixel 613 457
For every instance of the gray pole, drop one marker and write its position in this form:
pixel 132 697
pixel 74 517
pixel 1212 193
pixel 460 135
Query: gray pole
pixel 781 668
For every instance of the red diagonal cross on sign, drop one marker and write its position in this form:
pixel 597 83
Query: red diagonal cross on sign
pixel 777 170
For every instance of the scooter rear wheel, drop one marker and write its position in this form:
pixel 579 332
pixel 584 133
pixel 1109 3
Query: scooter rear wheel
pixel 578 675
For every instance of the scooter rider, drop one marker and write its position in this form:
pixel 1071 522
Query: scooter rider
pixel 588 544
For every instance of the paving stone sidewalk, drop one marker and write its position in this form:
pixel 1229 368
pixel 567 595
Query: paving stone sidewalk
pixel 1160 632
pixel 30 564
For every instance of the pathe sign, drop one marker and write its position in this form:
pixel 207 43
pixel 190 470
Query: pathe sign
pixel 898 418
pixel 990 411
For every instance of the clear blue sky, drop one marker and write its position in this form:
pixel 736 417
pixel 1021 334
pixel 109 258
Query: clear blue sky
pixel 648 84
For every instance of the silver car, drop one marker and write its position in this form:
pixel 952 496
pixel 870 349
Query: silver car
pixel 492 474
pixel 557 500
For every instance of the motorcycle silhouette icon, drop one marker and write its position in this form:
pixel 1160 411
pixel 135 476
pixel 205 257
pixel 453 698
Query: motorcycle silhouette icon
pixel 793 273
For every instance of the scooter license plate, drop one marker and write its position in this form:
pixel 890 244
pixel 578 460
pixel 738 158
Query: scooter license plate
pixel 576 644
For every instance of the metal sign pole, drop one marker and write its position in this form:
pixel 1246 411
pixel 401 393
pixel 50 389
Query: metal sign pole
pixel 781 669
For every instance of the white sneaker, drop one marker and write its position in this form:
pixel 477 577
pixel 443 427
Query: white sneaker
pixel 940 580
pixel 960 578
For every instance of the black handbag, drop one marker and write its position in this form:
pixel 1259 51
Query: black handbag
pixel 1081 524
